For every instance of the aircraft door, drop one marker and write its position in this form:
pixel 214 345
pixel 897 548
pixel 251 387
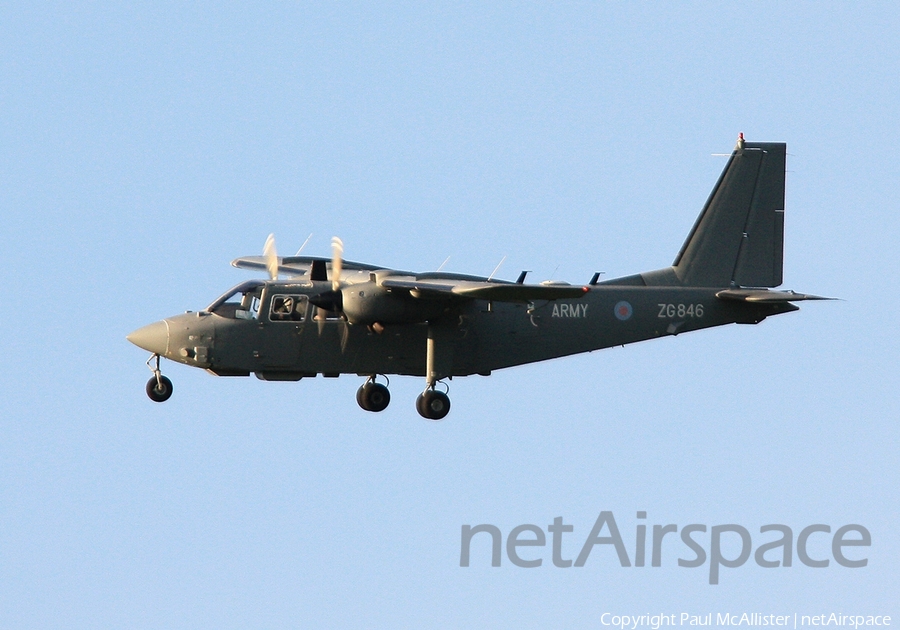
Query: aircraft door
pixel 283 321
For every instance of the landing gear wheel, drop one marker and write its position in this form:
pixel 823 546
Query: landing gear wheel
pixel 433 405
pixel 373 397
pixel 159 391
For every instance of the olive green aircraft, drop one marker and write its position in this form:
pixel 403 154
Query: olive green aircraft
pixel 329 316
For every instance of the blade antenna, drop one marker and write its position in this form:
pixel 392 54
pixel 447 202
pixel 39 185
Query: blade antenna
pixel 497 268
pixel 304 244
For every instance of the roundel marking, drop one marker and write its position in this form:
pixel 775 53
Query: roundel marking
pixel 623 311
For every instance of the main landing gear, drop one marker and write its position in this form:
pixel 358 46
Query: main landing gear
pixel 159 388
pixel 373 396
pixel 432 404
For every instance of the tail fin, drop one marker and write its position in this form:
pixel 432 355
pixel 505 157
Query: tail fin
pixel 738 238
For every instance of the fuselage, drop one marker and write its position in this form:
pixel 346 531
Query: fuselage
pixel 272 330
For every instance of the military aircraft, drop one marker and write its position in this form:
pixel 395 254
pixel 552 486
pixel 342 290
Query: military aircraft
pixel 329 316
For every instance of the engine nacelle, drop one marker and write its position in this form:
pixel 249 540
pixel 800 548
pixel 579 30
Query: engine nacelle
pixel 368 303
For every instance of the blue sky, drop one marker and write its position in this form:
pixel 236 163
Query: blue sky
pixel 145 145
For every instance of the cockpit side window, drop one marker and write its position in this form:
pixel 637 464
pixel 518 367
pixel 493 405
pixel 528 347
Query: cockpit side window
pixel 288 308
pixel 246 308
pixel 249 307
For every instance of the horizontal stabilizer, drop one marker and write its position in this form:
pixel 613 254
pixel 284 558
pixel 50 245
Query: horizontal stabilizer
pixel 762 295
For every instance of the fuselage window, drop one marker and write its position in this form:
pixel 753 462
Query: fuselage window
pixel 288 308
pixel 321 315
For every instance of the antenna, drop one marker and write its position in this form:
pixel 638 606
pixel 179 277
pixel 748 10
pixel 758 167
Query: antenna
pixel 304 244
pixel 553 275
pixel 497 268
pixel 737 147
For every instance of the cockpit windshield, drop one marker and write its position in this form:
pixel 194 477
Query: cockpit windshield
pixel 240 302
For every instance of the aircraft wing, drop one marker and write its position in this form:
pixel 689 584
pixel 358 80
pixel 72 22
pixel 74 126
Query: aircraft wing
pixel 258 263
pixel 296 265
pixel 436 286
pixel 496 291
pixel 763 295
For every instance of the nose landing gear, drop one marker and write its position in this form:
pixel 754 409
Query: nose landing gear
pixel 159 388
pixel 373 396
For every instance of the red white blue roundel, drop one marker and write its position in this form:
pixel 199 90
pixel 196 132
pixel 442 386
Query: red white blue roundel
pixel 623 311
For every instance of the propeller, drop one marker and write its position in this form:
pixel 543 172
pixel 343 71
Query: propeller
pixel 327 301
pixel 271 257
pixel 337 251
pixel 333 300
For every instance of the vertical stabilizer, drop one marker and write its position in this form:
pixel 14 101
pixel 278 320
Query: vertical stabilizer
pixel 738 238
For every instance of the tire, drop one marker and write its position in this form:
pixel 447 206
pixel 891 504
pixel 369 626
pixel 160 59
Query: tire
pixel 377 397
pixel 159 391
pixel 420 406
pixel 373 397
pixel 361 398
pixel 433 405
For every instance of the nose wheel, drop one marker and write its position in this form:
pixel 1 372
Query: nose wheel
pixel 373 396
pixel 159 388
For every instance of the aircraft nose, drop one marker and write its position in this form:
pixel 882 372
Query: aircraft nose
pixel 153 338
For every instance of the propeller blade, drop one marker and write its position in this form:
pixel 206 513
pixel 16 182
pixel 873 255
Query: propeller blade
pixel 320 319
pixel 271 257
pixel 345 335
pixel 337 250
